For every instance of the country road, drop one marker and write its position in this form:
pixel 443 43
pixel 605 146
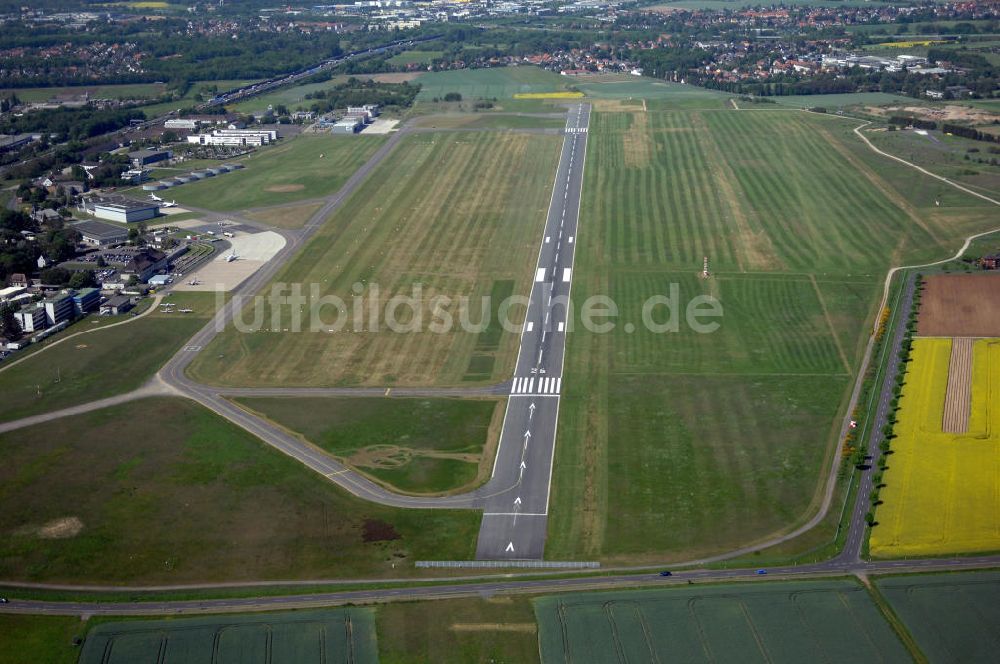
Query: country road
pixel 449 590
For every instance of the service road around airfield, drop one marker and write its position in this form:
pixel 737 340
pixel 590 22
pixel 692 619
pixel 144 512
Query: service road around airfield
pixel 515 519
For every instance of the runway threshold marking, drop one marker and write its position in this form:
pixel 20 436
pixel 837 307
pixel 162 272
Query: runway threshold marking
pixel 540 274
pixel 567 273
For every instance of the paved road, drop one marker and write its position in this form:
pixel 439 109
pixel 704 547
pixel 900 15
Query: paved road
pixel 487 588
pixel 516 505
pixel 857 526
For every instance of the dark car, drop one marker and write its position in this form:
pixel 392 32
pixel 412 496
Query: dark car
pixel 666 572
pixel 762 571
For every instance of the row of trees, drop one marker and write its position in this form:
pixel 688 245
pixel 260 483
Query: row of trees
pixel 356 92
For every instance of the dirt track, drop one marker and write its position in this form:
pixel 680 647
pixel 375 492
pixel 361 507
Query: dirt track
pixel 956 305
pixel 958 397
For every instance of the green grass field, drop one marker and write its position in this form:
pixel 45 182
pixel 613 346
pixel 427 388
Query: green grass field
pixel 101 363
pixel 501 82
pixel 340 635
pixel 459 215
pixel 952 617
pixel 26 638
pixel 415 57
pixel 125 91
pixel 197 89
pixel 679 444
pixel 414 445
pixel 658 94
pixel 489 121
pixel 163 491
pixel 291 96
pixel 944 155
pixel 777 622
pixel 836 101
pixel 289 172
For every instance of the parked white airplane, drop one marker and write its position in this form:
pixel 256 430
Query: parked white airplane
pixel 156 198
pixel 170 204
pixel 231 257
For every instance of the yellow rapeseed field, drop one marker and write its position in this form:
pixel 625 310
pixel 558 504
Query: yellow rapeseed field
pixel 548 95
pixel 942 492
pixel 911 44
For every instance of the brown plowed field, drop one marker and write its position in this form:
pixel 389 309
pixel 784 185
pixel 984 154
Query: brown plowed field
pixel 957 305
pixel 958 396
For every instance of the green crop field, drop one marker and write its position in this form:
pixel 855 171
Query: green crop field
pixel 952 617
pixel 500 629
pixel 777 622
pixel 681 443
pixel 101 363
pixel 413 445
pixel 304 167
pixel 454 215
pixel 342 635
pixel 500 82
pixel 164 491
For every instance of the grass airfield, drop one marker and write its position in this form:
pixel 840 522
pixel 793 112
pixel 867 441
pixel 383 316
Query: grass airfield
pixel 458 214
pixel 301 168
pixel 681 444
pixel 172 493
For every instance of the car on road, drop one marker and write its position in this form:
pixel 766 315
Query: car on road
pixel 761 572
pixel 666 572
pixel 3 600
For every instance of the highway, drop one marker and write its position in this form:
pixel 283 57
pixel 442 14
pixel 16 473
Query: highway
pixel 488 588
pixel 516 512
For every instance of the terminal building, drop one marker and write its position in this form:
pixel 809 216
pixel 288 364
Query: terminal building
pixel 237 137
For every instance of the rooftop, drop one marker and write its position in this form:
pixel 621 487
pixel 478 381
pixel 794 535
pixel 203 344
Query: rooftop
pixel 99 229
pixel 122 203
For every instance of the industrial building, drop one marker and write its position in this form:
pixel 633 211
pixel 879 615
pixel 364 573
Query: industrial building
pixel 116 304
pixel 141 158
pixel 348 125
pixel 181 123
pixel 122 209
pixel 239 137
pixel 100 234
pixel 369 111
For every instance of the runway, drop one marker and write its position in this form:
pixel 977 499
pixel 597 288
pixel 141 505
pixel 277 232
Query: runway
pixel 515 514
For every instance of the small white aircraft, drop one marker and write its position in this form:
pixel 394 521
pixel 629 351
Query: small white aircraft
pixel 167 205
pixel 186 311
pixel 156 198
pixel 231 257
pixel 193 282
